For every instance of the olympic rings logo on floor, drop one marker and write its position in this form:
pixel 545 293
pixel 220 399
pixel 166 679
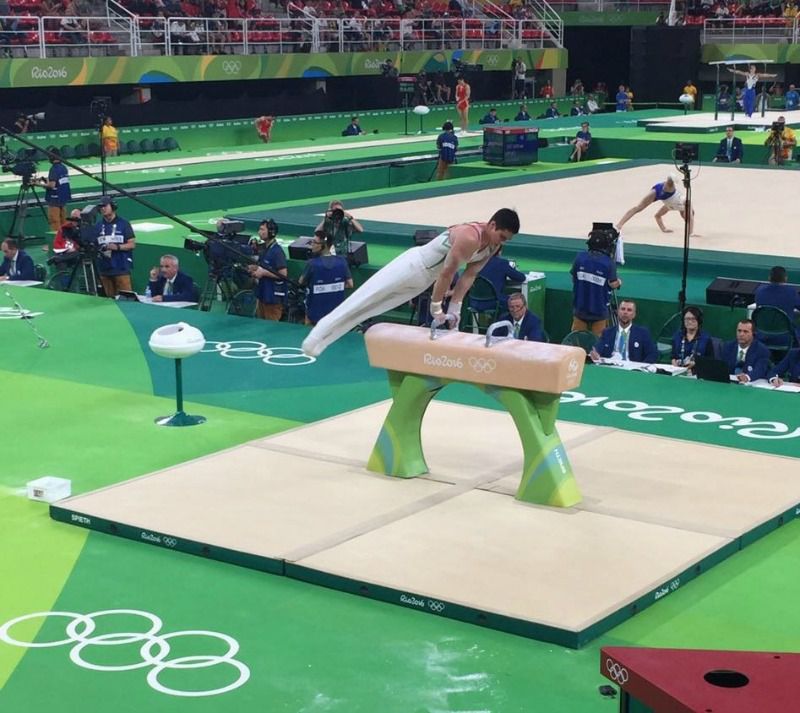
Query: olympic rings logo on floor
pixel 618 673
pixel 81 626
pixel 245 349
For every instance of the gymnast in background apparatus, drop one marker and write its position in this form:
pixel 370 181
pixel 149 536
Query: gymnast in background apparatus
pixel 411 273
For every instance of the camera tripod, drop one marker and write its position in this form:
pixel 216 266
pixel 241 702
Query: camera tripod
pixel 81 277
pixel 21 205
pixel 222 286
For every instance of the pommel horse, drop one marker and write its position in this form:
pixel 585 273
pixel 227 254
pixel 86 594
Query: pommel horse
pixel 525 377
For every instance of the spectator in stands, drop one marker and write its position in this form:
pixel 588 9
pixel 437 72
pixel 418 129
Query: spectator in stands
pixel 592 107
pixel 581 142
pixel 747 359
pixel 792 98
pixel 629 103
pixel 499 272
pixel 781 141
pixel 5 36
pixel 110 137
pixel 522 114
pixel 264 127
pixel 353 128
pixel 178 35
pixel 730 148
pixel 778 294
pixel 594 275
pixel 552 111
pixel 527 326
pixel 271 274
pixel 447 145
pixel 73 31
pixel 576 109
pixel 169 284
pixel 490 117
pixel 577 90
pixel 690 340
pixel 58 192
pixel 547 91
pixel 621 99
pixel 327 276
pixel 626 341
pixel 17 264
pixel 789 367
pixel 117 240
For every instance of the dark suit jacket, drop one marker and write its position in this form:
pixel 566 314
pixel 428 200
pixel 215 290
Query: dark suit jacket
pixel 791 364
pixel 756 361
pixel 530 329
pixel 641 346
pixel 182 288
pixel 737 151
pixel 25 269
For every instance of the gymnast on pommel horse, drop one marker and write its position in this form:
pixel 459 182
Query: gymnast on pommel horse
pixel 413 272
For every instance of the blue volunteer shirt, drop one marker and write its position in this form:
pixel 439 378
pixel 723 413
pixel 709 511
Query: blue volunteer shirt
pixel 447 143
pixel 61 194
pixel 117 231
pixel 325 277
pixel 622 101
pixel 591 272
pixel 271 291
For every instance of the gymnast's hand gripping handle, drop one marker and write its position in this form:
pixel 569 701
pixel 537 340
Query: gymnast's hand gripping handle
pixel 439 320
pixel 499 325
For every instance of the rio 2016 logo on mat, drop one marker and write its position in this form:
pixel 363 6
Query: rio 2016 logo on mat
pixel 154 651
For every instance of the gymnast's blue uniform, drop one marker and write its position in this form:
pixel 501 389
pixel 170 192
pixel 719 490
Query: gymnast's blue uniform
pixel 749 94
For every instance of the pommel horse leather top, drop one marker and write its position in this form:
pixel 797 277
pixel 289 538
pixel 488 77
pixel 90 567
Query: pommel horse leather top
pixel 462 356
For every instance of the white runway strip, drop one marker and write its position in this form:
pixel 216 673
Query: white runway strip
pixel 740 210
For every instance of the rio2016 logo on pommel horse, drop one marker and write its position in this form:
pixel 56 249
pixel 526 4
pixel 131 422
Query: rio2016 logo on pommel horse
pixel 527 378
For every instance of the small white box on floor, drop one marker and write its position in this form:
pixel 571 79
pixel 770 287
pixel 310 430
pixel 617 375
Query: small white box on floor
pixel 49 489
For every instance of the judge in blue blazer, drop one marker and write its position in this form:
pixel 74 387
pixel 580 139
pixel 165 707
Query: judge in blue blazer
pixel 169 284
pixel 17 264
pixel 789 367
pixel 627 341
pixel 527 325
pixel 747 359
pixel 730 148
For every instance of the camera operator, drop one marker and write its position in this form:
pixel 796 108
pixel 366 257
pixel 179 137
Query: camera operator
pixel 271 273
pixel 327 276
pixel 24 123
pixel 781 141
pixel 17 264
pixel 594 275
pixel 115 237
pixel 58 192
pixel 339 226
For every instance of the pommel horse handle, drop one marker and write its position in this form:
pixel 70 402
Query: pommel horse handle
pixel 435 325
pixel 527 378
pixel 499 325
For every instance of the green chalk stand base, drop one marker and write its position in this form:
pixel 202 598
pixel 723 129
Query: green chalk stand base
pixel 547 477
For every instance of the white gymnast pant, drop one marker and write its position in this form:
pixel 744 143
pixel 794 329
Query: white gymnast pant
pixel 401 280
pixel 675 202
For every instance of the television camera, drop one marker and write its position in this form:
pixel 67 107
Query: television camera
pixel 25 168
pixel 603 238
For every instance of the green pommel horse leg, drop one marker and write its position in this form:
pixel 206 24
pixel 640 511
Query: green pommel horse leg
pixel 526 378
pixel 547 477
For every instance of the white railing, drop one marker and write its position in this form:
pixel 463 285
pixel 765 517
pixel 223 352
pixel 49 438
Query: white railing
pixel 610 5
pixel 539 17
pixel 117 34
pixel 760 30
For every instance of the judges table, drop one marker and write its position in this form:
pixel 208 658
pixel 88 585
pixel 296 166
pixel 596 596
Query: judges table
pixel 670 370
